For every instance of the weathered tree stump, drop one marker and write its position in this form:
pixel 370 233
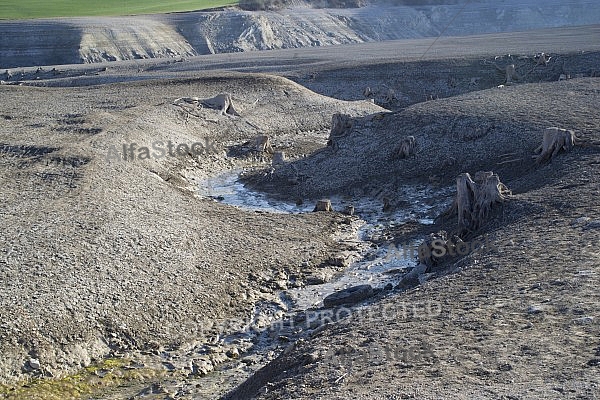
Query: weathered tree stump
pixel 341 124
pixel 511 74
pixel 262 144
pixel 323 205
pixel 387 204
pixel 406 148
pixel 368 92
pixel 222 102
pixel 278 158
pixel 555 139
pixel 438 246
pixel 475 198
pixel 542 59
pixel 390 95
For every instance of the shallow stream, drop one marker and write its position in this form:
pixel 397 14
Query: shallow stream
pixel 372 265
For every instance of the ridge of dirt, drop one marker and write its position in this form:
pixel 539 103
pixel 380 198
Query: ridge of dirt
pixel 515 320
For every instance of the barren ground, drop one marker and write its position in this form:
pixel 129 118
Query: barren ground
pixel 120 267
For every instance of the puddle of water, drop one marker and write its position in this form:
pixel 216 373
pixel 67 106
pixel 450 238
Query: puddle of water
pixel 227 189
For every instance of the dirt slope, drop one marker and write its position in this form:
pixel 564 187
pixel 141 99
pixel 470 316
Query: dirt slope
pixel 98 255
pixel 515 320
pixel 88 40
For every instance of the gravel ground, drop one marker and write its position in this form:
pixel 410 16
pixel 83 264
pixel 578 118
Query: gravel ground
pixel 515 321
pixel 120 259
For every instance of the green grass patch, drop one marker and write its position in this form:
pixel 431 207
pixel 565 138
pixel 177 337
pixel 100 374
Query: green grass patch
pixel 21 9
pixel 92 380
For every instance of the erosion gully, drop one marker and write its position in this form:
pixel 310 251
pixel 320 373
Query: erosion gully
pixel 294 313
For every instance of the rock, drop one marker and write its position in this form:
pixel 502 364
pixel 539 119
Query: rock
pixel 412 277
pixel 339 260
pixel 348 296
pixel 318 278
pixel 534 309
pixel 233 353
pixel 202 367
pixel 34 364
pixel 348 210
pixel 323 205
pixel 580 221
pixel 592 225
pixel 584 320
pixel 169 366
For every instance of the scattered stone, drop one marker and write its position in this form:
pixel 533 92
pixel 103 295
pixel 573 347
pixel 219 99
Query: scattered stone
pixel 34 364
pixel 318 278
pixel 233 353
pixel 580 221
pixel 595 362
pixel 592 225
pixel 411 279
pixel 584 320
pixel 535 309
pixel 340 260
pixel 202 367
pixel 168 366
pixel 348 296
pixel 505 367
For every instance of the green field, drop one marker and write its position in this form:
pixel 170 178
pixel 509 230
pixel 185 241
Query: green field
pixel 20 9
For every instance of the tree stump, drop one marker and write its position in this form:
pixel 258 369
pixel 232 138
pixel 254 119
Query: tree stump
pixel 406 148
pixel 367 92
pixel 222 102
pixel 390 95
pixel 475 198
pixel 387 204
pixel 278 158
pixel 323 205
pixel 262 144
pixel 341 124
pixel 511 74
pixel 555 139
pixel 542 59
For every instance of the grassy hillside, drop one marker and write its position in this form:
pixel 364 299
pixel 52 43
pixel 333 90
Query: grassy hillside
pixel 19 9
